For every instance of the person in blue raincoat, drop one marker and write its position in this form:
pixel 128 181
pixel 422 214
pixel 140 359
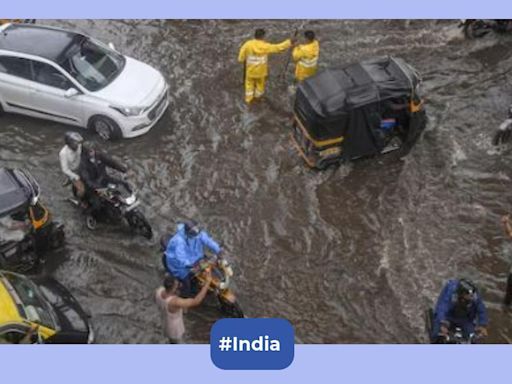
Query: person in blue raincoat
pixel 185 249
pixel 459 305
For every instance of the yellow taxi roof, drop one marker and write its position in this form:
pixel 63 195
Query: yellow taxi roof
pixel 8 310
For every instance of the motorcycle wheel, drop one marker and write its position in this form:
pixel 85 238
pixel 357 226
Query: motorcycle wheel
pixel 230 309
pixel 138 222
pixel 90 222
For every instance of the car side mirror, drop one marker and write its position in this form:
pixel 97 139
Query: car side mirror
pixel 71 92
pixel 111 46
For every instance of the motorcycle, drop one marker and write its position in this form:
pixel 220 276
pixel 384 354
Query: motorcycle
pixel 474 28
pixel 221 272
pixel 456 335
pixel 118 202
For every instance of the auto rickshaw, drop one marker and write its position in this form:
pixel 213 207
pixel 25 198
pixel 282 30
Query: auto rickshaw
pixel 27 230
pixel 365 109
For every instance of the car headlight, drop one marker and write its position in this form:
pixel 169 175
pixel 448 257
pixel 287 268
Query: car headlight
pixel 128 111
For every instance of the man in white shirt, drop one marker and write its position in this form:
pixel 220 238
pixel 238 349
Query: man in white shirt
pixel 69 157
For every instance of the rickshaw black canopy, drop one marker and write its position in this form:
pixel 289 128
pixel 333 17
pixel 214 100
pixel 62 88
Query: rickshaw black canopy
pixel 16 190
pixel 331 103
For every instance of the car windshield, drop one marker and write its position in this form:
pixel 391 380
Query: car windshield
pixel 33 306
pixel 92 64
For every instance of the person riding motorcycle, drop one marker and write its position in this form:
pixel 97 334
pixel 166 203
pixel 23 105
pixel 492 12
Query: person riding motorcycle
pixel 69 157
pixel 459 305
pixel 185 249
pixel 93 172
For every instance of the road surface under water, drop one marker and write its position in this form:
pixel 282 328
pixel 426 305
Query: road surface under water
pixel 353 254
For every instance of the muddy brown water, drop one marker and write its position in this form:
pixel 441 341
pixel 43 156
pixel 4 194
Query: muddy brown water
pixel 354 254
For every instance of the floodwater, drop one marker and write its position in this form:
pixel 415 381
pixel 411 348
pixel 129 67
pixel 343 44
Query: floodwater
pixel 354 254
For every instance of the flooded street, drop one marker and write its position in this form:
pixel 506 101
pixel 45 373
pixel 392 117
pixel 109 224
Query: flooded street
pixel 354 254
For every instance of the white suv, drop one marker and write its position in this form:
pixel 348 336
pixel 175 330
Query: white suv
pixel 67 77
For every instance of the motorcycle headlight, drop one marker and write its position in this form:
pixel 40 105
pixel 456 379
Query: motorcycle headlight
pixel 130 200
pixel 128 111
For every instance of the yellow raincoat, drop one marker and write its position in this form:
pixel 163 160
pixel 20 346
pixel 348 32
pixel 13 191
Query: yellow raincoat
pixel 254 53
pixel 5 21
pixel 306 57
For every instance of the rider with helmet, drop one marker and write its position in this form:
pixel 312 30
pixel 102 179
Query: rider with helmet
pixel 185 249
pixel 459 305
pixel 69 157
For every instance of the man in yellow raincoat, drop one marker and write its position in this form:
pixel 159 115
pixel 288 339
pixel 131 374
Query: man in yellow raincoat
pixel 5 21
pixel 306 57
pixel 254 53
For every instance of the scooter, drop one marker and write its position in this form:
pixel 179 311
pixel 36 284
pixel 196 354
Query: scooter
pixel 220 285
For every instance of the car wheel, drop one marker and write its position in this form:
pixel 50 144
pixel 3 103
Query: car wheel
pixel 106 128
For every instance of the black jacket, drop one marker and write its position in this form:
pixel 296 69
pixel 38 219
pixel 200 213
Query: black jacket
pixel 93 171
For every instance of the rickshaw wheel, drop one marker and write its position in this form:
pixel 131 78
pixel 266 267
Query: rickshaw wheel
pixel 323 164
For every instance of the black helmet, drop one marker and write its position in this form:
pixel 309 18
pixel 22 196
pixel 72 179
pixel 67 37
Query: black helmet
pixel 90 146
pixel 73 140
pixel 191 228
pixel 465 287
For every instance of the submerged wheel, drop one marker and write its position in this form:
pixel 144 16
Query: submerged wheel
pixel 106 128
pixel 138 222
pixel 91 222
pixel 325 163
pixel 230 309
